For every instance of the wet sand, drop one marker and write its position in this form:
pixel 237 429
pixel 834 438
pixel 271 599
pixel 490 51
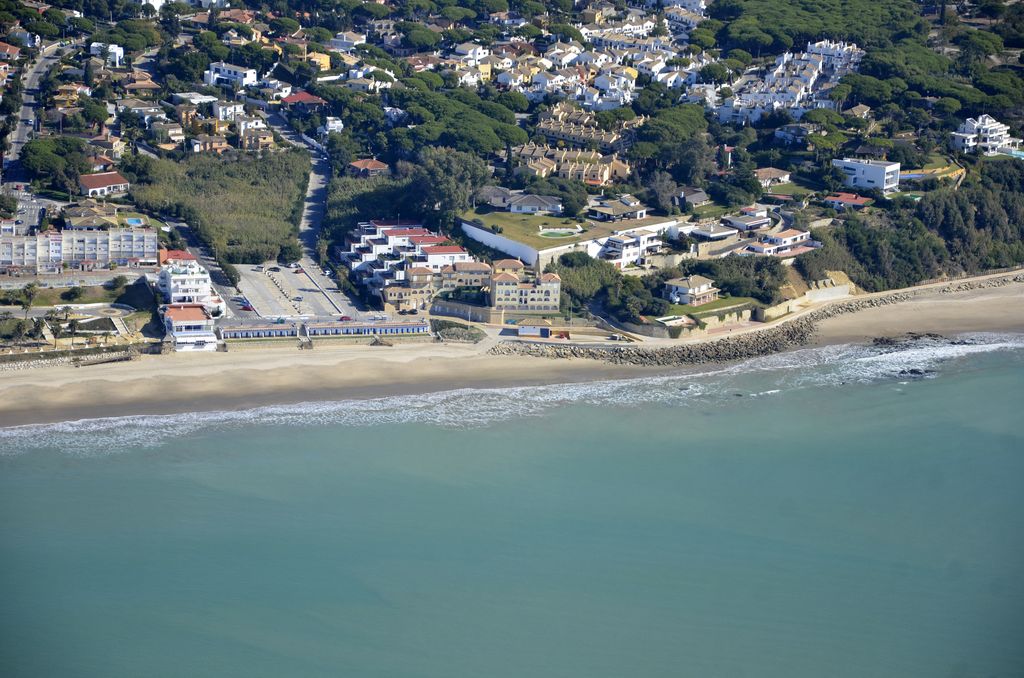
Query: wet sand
pixel 265 376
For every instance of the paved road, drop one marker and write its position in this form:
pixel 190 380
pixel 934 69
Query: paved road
pixel 312 220
pixel 30 81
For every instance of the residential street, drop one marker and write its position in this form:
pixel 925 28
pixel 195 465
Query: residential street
pixel 27 116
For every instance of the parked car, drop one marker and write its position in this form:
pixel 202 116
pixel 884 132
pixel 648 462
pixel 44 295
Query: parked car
pixel 345 318
pixel 274 269
pixel 296 298
pixel 247 307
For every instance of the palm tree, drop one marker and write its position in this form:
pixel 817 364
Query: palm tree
pixel 37 328
pixel 73 329
pixel 28 297
pixel 19 331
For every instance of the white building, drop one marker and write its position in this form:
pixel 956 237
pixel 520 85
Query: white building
pixel 694 290
pixel 331 125
pixel 346 41
pixel 156 4
pixel 381 251
pixel 870 174
pixel 228 110
pixel 49 252
pixel 115 53
pixel 225 74
pixel 190 326
pixel 184 281
pixel 984 135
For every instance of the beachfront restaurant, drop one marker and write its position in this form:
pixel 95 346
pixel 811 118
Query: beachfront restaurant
pixel 276 331
pixel 327 329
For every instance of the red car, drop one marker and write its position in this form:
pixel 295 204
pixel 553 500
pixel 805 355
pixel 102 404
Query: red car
pixel 247 307
pixel 345 318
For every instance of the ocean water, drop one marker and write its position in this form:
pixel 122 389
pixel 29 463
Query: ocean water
pixel 843 511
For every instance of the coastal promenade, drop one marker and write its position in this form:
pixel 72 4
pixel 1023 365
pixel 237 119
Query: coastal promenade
pixel 273 375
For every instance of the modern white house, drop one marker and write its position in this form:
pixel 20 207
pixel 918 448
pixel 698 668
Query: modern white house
pixel 190 326
pixel 346 41
pixel 114 53
pixel 984 134
pixel 228 110
pixel 869 174
pixel 184 281
pixel 225 74
pixel 621 247
pixel 331 124
pixel 694 290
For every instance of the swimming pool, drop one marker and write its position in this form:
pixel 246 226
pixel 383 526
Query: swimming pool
pixel 135 221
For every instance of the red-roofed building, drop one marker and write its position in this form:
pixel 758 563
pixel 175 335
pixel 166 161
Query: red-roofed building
pixel 303 101
pixel 190 327
pixel 104 183
pixel 842 201
pixel 368 167
pixel 8 52
pixel 414 232
pixel 164 256
pixel 436 257
pixel 427 240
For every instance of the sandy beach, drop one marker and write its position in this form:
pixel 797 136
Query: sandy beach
pixel 254 377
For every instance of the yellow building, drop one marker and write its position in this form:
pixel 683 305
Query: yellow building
pixel 320 60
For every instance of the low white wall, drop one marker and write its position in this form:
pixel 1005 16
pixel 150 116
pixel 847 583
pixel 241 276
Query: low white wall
pixel 527 254
pixel 828 293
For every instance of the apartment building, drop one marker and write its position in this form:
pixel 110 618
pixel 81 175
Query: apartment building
pixel 228 75
pixel 183 280
pixel 510 292
pixel 984 134
pixel 51 251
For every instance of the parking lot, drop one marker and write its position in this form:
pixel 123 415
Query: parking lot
pixel 291 292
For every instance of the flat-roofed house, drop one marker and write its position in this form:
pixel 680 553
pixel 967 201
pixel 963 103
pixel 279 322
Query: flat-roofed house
pixel 190 326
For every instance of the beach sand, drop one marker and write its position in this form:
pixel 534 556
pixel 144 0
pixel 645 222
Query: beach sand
pixel 257 376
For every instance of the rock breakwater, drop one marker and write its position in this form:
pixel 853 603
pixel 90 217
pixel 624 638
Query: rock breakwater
pixel 786 335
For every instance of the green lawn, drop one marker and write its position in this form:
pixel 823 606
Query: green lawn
pixel 937 161
pixel 710 308
pixel 526 228
pixel 136 295
pixel 709 211
pixel 792 188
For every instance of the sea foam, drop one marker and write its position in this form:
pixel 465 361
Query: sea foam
pixel 475 407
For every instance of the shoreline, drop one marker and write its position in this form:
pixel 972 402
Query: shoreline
pixel 258 377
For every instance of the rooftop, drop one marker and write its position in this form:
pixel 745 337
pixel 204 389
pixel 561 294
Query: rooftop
pixel 186 312
pixel 101 180
pixel 544 232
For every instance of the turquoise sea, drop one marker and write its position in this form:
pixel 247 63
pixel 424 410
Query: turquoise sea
pixel 841 511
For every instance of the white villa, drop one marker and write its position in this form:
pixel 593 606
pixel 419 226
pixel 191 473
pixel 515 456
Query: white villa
pixel 184 281
pixel 869 174
pixel 984 134
pixel 222 73
pixel 190 326
pixel 695 290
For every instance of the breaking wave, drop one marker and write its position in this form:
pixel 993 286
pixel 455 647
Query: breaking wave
pixel 471 408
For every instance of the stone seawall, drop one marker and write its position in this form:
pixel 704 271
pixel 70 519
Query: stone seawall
pixel 29 361
pixel 788 334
